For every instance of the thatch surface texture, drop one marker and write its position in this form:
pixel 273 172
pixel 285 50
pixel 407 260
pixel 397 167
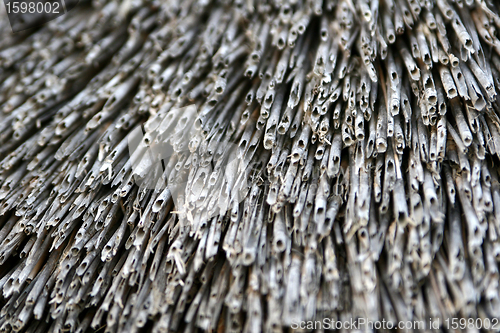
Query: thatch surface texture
pixel 239 166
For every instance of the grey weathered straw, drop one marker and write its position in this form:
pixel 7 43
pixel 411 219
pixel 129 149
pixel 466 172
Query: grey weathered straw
pixel 245 165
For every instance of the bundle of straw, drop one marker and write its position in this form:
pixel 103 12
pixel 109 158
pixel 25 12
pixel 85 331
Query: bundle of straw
pixel 249 166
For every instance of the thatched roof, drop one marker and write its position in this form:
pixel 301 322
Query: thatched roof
pixel 246 165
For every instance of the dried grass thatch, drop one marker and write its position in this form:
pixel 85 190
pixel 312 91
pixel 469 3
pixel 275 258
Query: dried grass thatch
pixel 342 163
